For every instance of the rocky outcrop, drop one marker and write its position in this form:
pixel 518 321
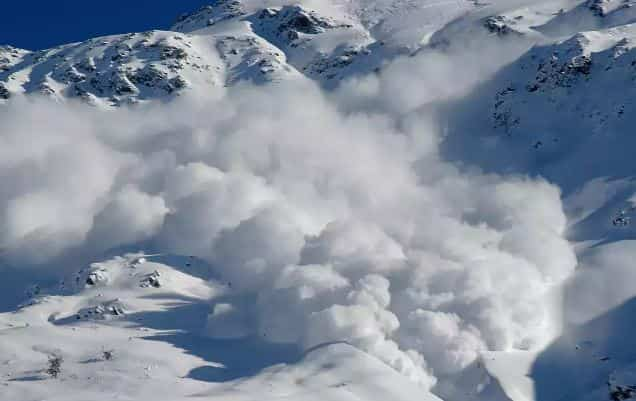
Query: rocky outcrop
pixel 111 70
pixel 569 77
pixel 209 15
pixel 501 25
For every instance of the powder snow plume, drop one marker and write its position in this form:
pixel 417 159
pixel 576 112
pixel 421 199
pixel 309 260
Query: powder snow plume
pixel 334 218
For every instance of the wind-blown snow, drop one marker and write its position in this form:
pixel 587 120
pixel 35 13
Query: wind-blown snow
pixel 343 227
pixel 368 173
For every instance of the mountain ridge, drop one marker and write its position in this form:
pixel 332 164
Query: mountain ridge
pixel 416 178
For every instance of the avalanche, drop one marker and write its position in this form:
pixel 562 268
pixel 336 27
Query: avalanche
pixel 339 200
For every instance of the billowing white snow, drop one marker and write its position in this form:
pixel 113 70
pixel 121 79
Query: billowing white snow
pixel 382 199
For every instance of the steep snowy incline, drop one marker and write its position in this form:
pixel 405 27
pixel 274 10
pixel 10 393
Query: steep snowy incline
pixel 268 41
pixel 590 15
pixel 565 111
pixel 323 43
pixel 114 70
pixel 226 43
pixel 333 212
pixel 134 328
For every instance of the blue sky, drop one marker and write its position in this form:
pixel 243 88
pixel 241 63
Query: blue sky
pixel 38 24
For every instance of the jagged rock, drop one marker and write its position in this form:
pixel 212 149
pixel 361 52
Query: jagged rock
pixel 597 7
pixel 290 22
pixel 151 280
pixel 328 64
pixel 4 92
pixel 96 276
pixel 266 45
pixel 121 84
pixel 178 83
pixel 171 52
pixel 9 56
pixel 621 385
pixel 621 393
pixel 45 89
pixel 114 70
pixel 107 355
pixel 102 311
pixel 153 77
pixel 209 15
pixel 33 291
pixel 604 8
pixel 72 75
pixel 563 75
pixel 149 75
pixel 623 218
pixel 500 25
pixel 55 366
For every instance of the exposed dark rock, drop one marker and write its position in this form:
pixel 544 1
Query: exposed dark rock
pixel 499 25
pixel 621 393
pixel 151 280
pixel 4 92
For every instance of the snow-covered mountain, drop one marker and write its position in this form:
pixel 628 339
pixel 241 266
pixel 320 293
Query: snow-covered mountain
pixel 231 41
pixel 132 327
pixel 378 199
pixel 563 109
pixel 225 43
pixel 112 70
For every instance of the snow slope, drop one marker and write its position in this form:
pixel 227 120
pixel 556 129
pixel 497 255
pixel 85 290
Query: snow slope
pixel 133 328
pixel 225 43
pixel 114 70
pixel 564 110
pixel 232 41
pixel 518 88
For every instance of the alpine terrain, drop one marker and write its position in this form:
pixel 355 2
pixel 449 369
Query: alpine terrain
pixel 324 200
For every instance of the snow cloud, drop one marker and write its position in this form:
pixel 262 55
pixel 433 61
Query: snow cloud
pixel 333 214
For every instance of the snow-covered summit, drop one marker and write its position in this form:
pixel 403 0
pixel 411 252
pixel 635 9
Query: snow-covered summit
pixel 332 210
pixel 224 43
pixel 585 81
pixel 231 41
pixel 209 15
pixel 113 70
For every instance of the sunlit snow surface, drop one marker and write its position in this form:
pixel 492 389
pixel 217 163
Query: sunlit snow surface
pixel 122 339
pixel 338 200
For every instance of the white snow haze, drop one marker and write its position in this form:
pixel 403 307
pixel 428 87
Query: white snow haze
pixel 316 212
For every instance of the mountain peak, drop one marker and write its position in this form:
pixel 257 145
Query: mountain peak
pixel 209 15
